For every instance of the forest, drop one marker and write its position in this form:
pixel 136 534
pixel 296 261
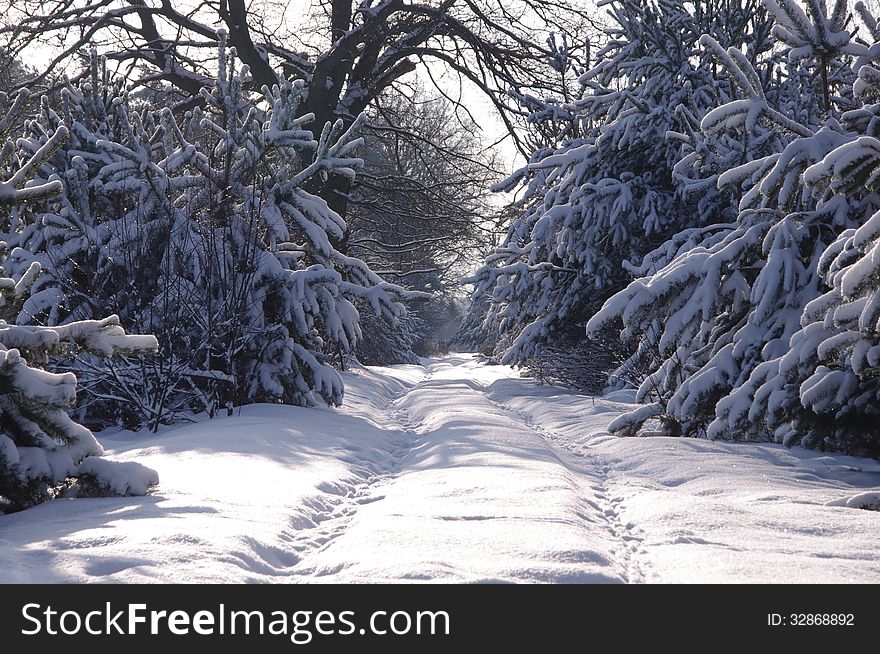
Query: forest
pixel 211 205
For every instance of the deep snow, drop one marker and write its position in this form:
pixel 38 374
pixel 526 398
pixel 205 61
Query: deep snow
pixel 455 471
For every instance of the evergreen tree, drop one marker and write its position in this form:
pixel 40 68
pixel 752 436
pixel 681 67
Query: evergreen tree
pixel 727 299
pixel 199 228
pixel 610 192
pixel 823 391
pixel 43 452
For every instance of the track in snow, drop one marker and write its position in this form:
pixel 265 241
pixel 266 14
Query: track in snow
pixel 338 513
pixel 596 519
pixel 630 553
pixel 456 472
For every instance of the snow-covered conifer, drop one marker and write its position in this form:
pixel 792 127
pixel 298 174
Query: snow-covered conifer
pixel 73 238
pixel 43 451
pixel 612 193
pixel 823 392
pixel 727 299
pixel 200 228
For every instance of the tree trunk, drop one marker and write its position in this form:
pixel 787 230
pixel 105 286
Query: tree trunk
pixel 340 18
pixel 825 92
pixel 325 89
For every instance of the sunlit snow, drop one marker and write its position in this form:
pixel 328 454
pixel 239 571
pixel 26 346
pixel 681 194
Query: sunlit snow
pixel 455 471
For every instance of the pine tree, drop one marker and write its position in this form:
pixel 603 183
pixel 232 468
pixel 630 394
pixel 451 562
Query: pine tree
pixel 727 299
pixel 823 392
pixel 75 238
pixel 385 342
pixel 200 228
pixel 611 192
pixel 43 452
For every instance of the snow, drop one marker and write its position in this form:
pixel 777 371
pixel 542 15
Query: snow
pixel 120 477
pixel 455 471
pixel 869 501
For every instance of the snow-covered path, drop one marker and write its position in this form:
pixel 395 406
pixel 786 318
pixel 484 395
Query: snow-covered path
pixel 454 471
pixel 472 492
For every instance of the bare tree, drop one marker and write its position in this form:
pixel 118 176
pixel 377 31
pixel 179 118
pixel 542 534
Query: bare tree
pixel 419 210
pixel 357 51
pixel 420 214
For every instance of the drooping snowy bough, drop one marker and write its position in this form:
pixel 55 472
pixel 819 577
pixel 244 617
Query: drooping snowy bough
pixel 43 451
pixel 766 327
pixel 205 229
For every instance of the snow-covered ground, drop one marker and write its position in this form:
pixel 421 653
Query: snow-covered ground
pixel 455 471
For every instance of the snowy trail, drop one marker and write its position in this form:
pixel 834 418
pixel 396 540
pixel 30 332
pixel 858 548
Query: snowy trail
pixel 458 472
pixel 628 552
pixel 449 461
pixel 335 520
pixel 631 553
